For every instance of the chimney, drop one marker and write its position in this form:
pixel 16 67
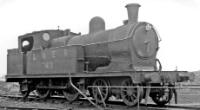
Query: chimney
pixel 132 12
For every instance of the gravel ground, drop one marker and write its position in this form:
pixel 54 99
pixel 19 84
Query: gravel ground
pixel 6 102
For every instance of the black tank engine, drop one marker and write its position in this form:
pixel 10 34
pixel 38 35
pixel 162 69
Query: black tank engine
pixel 123 57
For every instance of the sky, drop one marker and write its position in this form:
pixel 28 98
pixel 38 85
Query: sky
pixel 177 21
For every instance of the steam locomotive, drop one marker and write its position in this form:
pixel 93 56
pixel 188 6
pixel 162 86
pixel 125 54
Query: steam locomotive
pixel 123 57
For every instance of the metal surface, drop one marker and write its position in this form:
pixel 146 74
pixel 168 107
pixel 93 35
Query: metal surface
pixel 138 76
pixel 132 12
pixel 96 24
pixel 14 62
pixel 124 46
pixel 56 60
pixel 131 46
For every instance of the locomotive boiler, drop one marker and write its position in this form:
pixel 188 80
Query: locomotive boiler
pixel 124 57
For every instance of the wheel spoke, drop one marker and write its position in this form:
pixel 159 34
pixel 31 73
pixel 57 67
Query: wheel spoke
pixel 128 94
pixel 104 90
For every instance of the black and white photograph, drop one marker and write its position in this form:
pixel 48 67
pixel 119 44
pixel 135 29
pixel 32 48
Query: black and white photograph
pixel 100 54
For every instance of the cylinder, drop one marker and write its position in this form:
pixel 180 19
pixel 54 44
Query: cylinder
pixel 132 12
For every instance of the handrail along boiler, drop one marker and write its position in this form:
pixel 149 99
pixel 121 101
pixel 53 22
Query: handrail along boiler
pixel 124 56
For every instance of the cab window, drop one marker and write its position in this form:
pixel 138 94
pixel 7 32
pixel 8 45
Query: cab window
pixel 27 44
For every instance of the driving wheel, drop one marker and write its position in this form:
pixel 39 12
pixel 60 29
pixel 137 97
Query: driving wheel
pixel 101 94
pixel 129 93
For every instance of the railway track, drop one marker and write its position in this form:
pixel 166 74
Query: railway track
pixel 83 104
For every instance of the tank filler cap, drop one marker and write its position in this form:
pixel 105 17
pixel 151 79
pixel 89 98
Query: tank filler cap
pixel 96 24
